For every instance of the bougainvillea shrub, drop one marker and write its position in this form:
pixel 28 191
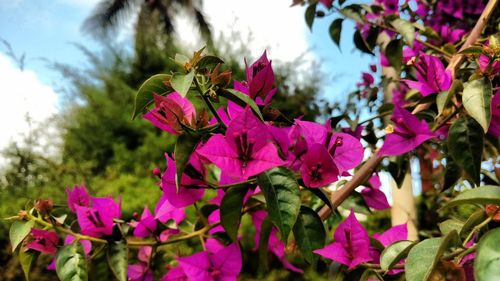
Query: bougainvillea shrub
pixel 240 158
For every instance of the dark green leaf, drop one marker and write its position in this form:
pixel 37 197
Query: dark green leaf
pixel 406 29
pixel 144 97
pixel 117 256
pixel 465 145
pixel 207 61
pixel 71 264
pixel 27 259
pixel 421 259
pixel 18 231
pixel 182 82
pixel 394 53
pixel 361 44
pixel 184 147
pixel 335 31
pixel 310 234
pixel 322 195
pixel 452 173
pixel 487 194
pixel 476 99
pixel 242 100
pixel 281 191
pixel 230 210
pixel 356 202
pixel 476 218
pixel 310 15
pixel 394 253
pixel 487 262
pixel 398 166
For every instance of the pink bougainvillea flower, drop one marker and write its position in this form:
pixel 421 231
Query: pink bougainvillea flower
pixel 175 274
pixel 170 112
pixel 356 133
pixel 373 196
pixel 326 3
pixel 484 65
pixel 351 244
pixel 408 133
pixel 260 79
pixel 275 245
pixel 245 151
pixel 431 76
pixel 141 271
pixel 43 241
pixel 450 35
pixel 146 226
pixel 190 190
pixel 368 80
pixel 396 233
pixel 454 8
pixel 165 211
pixel 390 6
pixel 98 220
pixel 318 168
pixel 224 264
pixel 78 197
pixel 494 128
pixel 346 150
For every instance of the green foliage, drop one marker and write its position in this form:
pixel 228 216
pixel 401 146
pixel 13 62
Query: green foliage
pixel 144 97
pixel 477 101
pixel 27 259
pixel 117 256
pixel 71 264
pixel 487 262
pixel 421 259
pixel 394 253
pixel 230 210
pixel 18 231
pixel 309 233
pixel 482 195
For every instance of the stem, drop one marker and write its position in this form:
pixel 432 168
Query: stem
pixel 377 266
pixel 208 103
pixel 445 120
pixel 135 243
pixel 476 229
pixel 64 230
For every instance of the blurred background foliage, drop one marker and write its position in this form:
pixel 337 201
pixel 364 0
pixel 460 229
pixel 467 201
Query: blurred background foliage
pixel 94 141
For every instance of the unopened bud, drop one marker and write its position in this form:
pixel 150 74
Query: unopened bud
pixel 44 207
pixel 157 172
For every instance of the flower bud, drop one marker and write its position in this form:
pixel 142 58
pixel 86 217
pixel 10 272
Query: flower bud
pixel 44 207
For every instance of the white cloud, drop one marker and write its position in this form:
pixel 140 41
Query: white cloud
pixel 271 25
pixel 22 93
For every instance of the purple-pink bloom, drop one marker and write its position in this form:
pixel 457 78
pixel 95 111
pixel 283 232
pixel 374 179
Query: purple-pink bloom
pixel 396 233
pixel 450 35
pixel 367 80
pixel 43 241
pixel 356 133
pixel 486 65
pixel 451 7
pixel 190 190
pixel 165 211
pixel 260 79
pixel 141 271
pixel 346 150
pixel 318 168
pixel 494 128
pixel 175 274
pixel 408 133
pixel 98 220
pixel 170 112
pixel 351 245
pixel 146 225
pixel 78 197
pixel 222 265
pixel 373 196
pixel 246 149
pixel 431 76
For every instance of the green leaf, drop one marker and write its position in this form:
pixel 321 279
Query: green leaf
pixel 309 233
pixel 487 262
pixel 71 264
pixel 281 191
pixel 310 15
pixel 184 147
pixel 117 256
pixel 487 194
pixel 394 53
pixel 27 259
pixel 474 50
pixel 230 210
pixel 421 259
pixel 356 202
pixel 444 98
pixel 449 225
pixel 476 218
pixel 406 29
pixel 207 61
pixel 353 12
pixel 322 195
pixel 452 173
pixel 182 82
pixel 361 44
pixel 144 97
pixel 242 100
pixel 394 253
pixel 465 145
pixel 18 231
pixel 477 101
pixel 335 31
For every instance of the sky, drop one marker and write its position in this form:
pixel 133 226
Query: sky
pixel 47 31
